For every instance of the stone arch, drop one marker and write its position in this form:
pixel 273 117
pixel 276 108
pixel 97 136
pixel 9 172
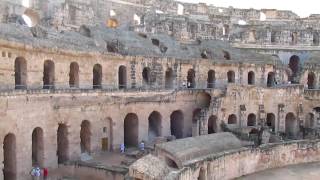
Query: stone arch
pixel 9 157
pixel 226 30
pixel 232 119
pixel 74 75
pixel 294 38
pixel 62 144
pixel 131 130
pixel 37 147
pixel 311 82
pixel 85 137
pixel 273 36
pixel 252 120
pixel 315 39
pixel 309 122
pixel 203 100
pixel 212 124
pixel 191 78
pixel 122 77
pixel 251 78
pixel 271 79
pixel 169 78
pixel 226 55
pixel 48 74
pixel 211 79
pixel 20 73
pixel 146 75
pixel 231 76
pixel 155 127
pixel 97 76
pixel 294 65
pixel 176 124
pixel 290 125
pixel 271 121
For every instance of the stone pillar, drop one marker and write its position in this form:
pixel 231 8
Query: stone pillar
pixel 203 129
pixel 281 118
pixel 243 116
pixel 261 115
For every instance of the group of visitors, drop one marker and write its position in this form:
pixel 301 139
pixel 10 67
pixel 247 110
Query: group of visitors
pixel 123 147
pixel 37 173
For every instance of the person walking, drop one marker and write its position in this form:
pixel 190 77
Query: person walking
pixel 45 173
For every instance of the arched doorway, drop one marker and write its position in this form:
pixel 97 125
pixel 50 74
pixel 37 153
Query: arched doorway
pixel 37 147
pixel 309 123
pixel 20 73
pixel 232 119
pixel 294 65
pixel 311 80
pixel 97 76
pixel 74 75
pixel 212 124
pixel 131 130
pixel 316 39
pixel 203 100
pixel 62 143
pixel 176 124
pixel 48 74
pixel 154 129
pixel 9 157
pixel 146 75
pixel 271 79
pixel 122 77
pixel 169 78
pixel 191 83
pixel 211 79
pixel 290 125
pixel 251 78
pixel 231 77
pixel 294 38
pixel 85 137
pixel 251 120
pixel 271 121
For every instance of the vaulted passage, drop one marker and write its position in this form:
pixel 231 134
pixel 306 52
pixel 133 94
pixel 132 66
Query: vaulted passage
pixel 85 137
pixel 131 130
pixel 251 120
pixel 231 77
pixel 48 74
pixel 74 75
pixel 191 82
pixel 294 65
pixel 271 121
pixel 232 119
pixel 211 79
pixel 154 129
pixel 9 157
pixel 251 78
pixel 212 125
pixel 309 122
pixel 203 100
pixel 146 75
pixel 20 73
pixel 97 76
pixel 311 81
pixel 176 124
pixel 37 147
pixel 62 143
pixel 290 125
pixel 122 77
pixel 271 79
pixel 169 79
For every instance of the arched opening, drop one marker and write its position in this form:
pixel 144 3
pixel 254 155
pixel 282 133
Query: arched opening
pixel 311 80
pixel 85 137
pixel 231 77
pixel 62 144
pixel 232 119
pixel 131 130
pixel 273 37
pixel 211 79
pixel 290 125
pixel 316 39
pixel 176 124
pixel 226 55
pixel 271 79
pixel 226 30
pixel 171 163
pixel 309 123
pixel 203 100
pixel 212 124
pixel 74 75
pixel 271 121
pixel 37 147
pixel 20 73
pixel 48 74
pixel 251 120
pixel 294 65
pixel 154 129
pixel 251 78
pixel 97 76
pixel 294 38
pixel 146 75
pixel 191 79
pixel 9 157
pixel 122 77
pixel 169 78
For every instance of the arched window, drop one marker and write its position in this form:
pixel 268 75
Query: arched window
pixel 169 78
pixel 74 75
pixel 316 39
pixel 146 75
pixel 311 80
pixel 290 125
pixel 226 55
pixel 294 38
pixel 191 79
pixel 294 65
pixel 176 124
pixel 232 119
pixel 97 76
pixel 271 121
pixel 251 120
pixel 20 73
pixel 271 79
pixel 37 147
pixel 231 77
pixel 48 74
pixel 251 78
pixel 211 79
pixel 122 77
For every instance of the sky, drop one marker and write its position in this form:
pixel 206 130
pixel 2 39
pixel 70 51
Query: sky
pixel 302 7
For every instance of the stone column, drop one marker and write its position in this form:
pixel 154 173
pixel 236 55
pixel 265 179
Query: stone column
pixel 243 116
pixel 262 115
pixel 281 119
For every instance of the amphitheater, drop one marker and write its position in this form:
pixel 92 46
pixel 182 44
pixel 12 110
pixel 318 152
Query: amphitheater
pixel 213 92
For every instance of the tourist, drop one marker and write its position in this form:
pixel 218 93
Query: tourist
pixel 35 173
pixel 122 148
pixel 45 173
pixel 142 146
